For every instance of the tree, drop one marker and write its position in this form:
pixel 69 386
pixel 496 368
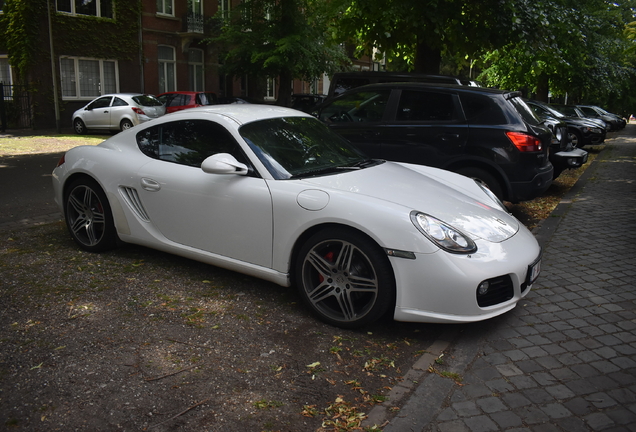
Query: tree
pixel 416 33
pixel 278 38
pixel 564 47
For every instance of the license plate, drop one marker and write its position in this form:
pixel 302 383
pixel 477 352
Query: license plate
pixel 533 271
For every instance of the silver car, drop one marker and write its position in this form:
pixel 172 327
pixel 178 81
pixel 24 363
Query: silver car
pixel 118 111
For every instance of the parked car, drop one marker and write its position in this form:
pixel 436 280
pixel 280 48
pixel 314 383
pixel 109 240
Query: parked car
pixel 180 100
pixel 581 131
pixel 279 196
pixel 237 100
pixel 482 133
pixel 574 111
pixel 563 154
pixel 615 121
pixel 343 81
pixel 118 111
pixel 306 102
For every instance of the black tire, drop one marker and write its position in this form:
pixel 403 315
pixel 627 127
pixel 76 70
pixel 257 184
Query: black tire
pixel 88 216
pixel 125 124
pixel 79 126
pixel 485 177
pixel 344 278
pixel 575 139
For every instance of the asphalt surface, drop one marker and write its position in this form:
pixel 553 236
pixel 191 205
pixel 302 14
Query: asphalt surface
pixel 565 358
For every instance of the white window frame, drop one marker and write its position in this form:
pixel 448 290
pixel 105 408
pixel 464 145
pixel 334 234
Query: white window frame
pixel 163 66
pixel 10 75
pixel 75 80
pixel 270 93
pixel 98 6
pixel 163 7
pixel 196 71
pixel 225 6
pixel 192 6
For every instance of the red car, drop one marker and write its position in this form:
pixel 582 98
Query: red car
pixel 180 100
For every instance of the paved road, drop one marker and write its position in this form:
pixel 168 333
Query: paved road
pixel 565 358
pixel 26 194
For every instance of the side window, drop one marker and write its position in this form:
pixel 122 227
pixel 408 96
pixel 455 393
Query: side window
pixel 177 100
pixel 188 142
pixel 426 106
pixel 363 107
pixel 100 103
pixel 482 110
pixel 119 102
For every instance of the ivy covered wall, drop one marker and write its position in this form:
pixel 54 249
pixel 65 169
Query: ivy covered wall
pixel 24 32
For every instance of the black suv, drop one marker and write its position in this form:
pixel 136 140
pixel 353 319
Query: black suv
pixel 482 133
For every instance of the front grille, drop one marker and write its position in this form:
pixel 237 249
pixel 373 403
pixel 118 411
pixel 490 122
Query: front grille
pixel 500 290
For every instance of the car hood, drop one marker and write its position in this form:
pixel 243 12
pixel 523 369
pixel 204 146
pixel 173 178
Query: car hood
pixel 454 199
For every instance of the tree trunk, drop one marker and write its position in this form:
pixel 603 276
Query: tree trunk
pixel 427 59
pixel 284 88
pixel 543 88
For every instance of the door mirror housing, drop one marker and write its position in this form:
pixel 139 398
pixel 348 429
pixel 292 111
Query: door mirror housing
pixel 223 163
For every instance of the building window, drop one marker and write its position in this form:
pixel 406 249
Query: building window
pixel 99 8
pixel 88 78
pixel 167 69
pixel 195 69
pixel 5 70
pixel 224 7
pixel 271 89
pixel 165 7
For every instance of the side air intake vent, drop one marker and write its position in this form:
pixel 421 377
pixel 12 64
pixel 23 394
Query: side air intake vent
pixel 131 197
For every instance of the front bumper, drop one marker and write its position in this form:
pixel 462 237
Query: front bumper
pixel 442 287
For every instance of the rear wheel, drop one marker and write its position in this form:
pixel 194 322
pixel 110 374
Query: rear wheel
pixel 88 216
pixel 344 278
pixel 125 124
pixel 485 177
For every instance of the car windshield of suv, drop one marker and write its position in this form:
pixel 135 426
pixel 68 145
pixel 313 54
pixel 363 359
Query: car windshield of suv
pixel 147 100
pixel 567 110
pixel 206 99
pixel 294 147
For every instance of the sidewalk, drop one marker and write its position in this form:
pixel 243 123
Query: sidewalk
pixel 565 358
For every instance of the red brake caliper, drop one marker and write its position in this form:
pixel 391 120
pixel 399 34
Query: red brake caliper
pixel 328 257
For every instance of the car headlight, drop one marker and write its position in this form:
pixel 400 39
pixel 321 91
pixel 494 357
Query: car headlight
pixel 443 235
pixel 491 195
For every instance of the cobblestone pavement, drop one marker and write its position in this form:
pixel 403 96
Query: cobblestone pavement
pixel 565 358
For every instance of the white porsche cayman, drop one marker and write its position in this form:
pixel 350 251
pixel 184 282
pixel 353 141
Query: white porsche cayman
pixel 273 193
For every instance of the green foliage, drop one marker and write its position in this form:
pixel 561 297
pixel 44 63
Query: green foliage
pixel 286 38
pixel 20 33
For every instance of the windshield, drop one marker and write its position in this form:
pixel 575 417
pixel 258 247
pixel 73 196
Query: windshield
pixel 147 100
pixel 299 146
pixel 567 110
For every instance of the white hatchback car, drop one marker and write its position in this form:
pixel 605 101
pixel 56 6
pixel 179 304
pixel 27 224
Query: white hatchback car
pixel 273 193
pixel 118 111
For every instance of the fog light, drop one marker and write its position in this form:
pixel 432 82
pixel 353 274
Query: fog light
pixel 572 162
pixel 483 288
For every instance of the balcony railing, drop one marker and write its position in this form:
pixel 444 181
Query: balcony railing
pixel 194 22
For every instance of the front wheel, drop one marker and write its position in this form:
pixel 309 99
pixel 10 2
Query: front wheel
pixel 88 216
pixel 344 278
pixel 79 126
pixel 575 139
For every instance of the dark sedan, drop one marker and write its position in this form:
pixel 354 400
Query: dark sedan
pixel 581 131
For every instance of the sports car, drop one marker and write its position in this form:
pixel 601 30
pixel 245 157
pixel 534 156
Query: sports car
pixel 273 193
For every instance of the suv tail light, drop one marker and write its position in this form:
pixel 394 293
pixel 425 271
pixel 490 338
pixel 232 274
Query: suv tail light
pixel 138 110
pixel 525 142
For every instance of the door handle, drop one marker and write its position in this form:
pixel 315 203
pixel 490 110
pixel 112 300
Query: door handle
pixel 448 136
pixel 150 185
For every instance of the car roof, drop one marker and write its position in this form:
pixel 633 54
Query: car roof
pixel 440 86
pixel 241 113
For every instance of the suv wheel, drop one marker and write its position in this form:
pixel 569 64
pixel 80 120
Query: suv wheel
pixel 485 177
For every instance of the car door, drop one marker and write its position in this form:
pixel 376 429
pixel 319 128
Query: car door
pixel 358 117
pixel 228 215
pixel 426 128
pixel 97 114
pixel 119 110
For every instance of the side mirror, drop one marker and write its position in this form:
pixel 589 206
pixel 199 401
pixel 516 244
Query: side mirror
pixel 223 163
